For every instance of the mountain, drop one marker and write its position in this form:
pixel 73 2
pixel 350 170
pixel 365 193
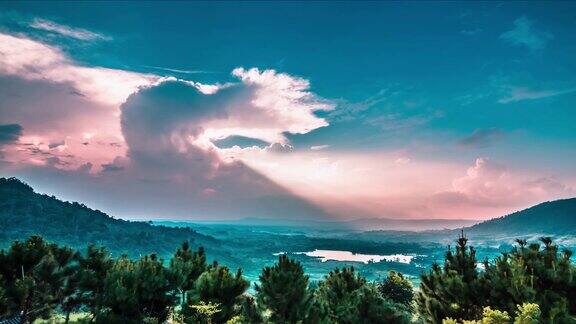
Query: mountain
pixel 361 224
pixel 24 212
pixel 549 218
pixel 554 218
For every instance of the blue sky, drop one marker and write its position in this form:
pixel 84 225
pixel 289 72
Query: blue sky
pixel 459 87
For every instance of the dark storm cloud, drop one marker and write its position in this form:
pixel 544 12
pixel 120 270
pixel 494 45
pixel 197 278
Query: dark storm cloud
pixel 10 133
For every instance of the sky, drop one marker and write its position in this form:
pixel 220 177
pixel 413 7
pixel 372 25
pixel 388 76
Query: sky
pixel 302 110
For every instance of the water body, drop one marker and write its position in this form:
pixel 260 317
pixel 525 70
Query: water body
pixel 335 255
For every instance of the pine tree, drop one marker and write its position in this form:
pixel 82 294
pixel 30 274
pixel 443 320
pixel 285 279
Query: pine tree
pixel 36 275
pixel 530 273
pixel 249 312
pixel 185 268
pixel 396 288
pixel 452 291
pixel 217 285
pixel 283 291
pixel 94 268
pixel 136 291
pixel 347 297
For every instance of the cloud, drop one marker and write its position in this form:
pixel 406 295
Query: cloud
pixel 524 34
pixel 482 138
pixel 319 147
pixel 523 93
pixel 264 106
pixel 10 133
pixel 56 122
pixel 77 33
pixel 32 60
pixel 390 110
pixel 180 71
pixel 168 165
pixel 491 184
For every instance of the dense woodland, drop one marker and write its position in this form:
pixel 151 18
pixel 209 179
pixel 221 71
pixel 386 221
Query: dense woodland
pixel 533 283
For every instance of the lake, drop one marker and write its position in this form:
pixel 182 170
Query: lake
pixel 335 255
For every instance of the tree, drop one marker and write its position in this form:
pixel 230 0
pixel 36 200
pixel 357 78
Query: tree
pixel 68 293
pixel 3 298
pixel 396 288
pixel 218 286
pixel 185 268
pixel 136 291
pixel 348 298
pixel 36 276
pixel 452 291
pixel 94 268
pixel 531 274
pixel 249 312
pixel 283 291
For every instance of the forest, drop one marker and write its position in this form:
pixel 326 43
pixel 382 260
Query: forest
pixel 43 281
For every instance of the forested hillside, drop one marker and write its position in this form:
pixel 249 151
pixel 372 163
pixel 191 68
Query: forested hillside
pixel 24 212
pixel 552 218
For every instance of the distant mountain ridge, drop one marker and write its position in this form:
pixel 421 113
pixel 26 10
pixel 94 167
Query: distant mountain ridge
pixel 556 217
pixel 360 224
pixel 553 218
pixel 24 212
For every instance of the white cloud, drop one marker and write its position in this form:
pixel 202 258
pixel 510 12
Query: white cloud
pixel 524 34
pixel 523 93
pixel 181 71
pixel 32 60
pixel 319 147
pixel 77 33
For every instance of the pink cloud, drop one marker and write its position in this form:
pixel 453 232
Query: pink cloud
pixel 491 187
pixel 32 60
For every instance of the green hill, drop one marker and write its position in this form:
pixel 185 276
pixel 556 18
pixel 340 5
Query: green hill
pixel 24 212
pixel 552 218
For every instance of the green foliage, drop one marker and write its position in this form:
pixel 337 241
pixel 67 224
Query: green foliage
pixel 185 268
pixel 396 288
pixel 527 274
pixel 217 285
pixel 346 297
pixel 533 282
pixel 451 291
pixel 203 313
pixel 527 313
pixel 283 291
pixel 249 311
pixel 135 291
pixel 494 316
pixel 36 277
pixel 94 268
pixel 530 273
pixel 3 298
